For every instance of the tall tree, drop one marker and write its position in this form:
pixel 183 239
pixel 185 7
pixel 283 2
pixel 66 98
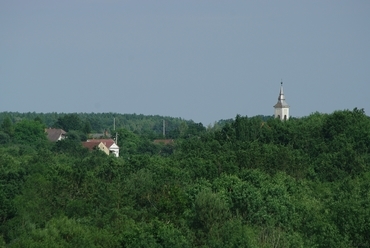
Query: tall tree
pixel 29 131
pixel 69 122
pixel 7 126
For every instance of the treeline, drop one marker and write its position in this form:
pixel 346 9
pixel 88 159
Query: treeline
pixel 254 182
pixel 145 125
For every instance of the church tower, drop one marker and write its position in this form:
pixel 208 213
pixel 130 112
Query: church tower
pixel 281 107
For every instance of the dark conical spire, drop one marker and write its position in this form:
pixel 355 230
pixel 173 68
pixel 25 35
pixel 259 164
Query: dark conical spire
pixel 281 99
pixel 281 94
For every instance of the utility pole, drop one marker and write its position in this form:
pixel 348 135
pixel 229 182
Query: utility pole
pixel 114 129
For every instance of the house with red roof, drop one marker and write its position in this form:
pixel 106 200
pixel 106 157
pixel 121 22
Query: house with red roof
pixel 92 145
pixel 55 134
pixel 109 143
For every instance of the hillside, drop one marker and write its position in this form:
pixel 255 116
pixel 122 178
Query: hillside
pixel 252 182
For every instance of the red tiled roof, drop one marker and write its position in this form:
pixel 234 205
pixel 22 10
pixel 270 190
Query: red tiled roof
pixel 54 133
pixel 90 145
pixel 107 142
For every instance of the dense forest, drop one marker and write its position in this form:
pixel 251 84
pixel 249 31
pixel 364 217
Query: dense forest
pixel 247 182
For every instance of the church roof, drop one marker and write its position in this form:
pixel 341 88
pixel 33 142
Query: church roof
pixel 281 99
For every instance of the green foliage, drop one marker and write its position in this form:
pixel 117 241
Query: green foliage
pixel 71 145
pixel 69 122
pixel 149 126
pixel 7 126
pixel 64 232
pixel 29 132
pixel 87 127
pixel 211 210
pixel 248 182
pixel 195 129
pixel 128 142
pixel 11 177
pixel 4 137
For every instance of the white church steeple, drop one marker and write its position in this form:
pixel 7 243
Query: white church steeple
pixel 281 107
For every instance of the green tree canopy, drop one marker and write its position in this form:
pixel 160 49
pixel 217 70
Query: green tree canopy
pixel 29 132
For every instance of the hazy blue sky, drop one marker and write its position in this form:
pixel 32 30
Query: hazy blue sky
pixel 199 60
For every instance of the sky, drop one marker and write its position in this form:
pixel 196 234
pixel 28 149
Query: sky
pixel 197 60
